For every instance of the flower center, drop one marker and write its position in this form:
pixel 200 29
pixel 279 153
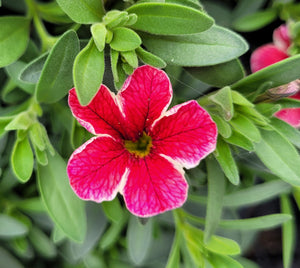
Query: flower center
pixel 141 147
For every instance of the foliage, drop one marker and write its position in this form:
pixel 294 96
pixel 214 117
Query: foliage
pixel 47 47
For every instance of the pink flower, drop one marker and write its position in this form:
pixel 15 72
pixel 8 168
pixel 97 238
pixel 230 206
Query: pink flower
pixel 269 54
pixel 140 148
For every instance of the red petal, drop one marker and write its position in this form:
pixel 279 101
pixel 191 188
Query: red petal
pixel 144 96
pixel 291 115
pixel 265 56
pixel 97 169
pixel 154 186
pixel 101 115
pixel 282 38
pixel 186 133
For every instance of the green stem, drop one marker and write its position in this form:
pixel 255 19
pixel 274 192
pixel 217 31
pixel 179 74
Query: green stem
pixel 47 41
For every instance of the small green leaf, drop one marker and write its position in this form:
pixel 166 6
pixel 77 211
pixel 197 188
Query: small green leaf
pixel 139 239
pixel 125 39
pixel 239 99
pixel 169 19
pixel 227 162
pixel 246 127
pixel 224 128
pixel 88 72
pixel 254 21
pixel 42 243
pixel 288 232
pixel 14 36
pixel 83 11
pixel 115 18
pixel 220 260
pixel 240 140
pixel 256 194
pixel 224 100
pixel 219 75
pixel 10 227
pixel 64 207
pixel 21 121
pixel 131 58
pixel 256 223
pixel 56 77
pixel 216 190
pixel 279 156
pixel 9 260
pixel 36 134
pixel 22 160
pixel 113 210
pixel 174 256
pixel 149 58
pixel 33 204
pixel 278 74
pixel 99 31
pixel 114 57
pixel 52 12
pixel 32 71
pixel 214 46
pixel 223 245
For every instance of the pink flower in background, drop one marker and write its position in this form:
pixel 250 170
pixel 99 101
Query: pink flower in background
pixel 269 54
pixel 140 148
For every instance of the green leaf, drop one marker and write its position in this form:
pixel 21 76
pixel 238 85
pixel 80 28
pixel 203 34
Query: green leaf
pixel 219 75
pixel 33 204
pixel 220 260
pixel 99 31
pixel 64 207
pixel 131 58
pixel 286 130
pixel 32 71
pixel 288 233
pixel 240 140
pixel 227 162
pixel 239 99
pixel 254 21
pixel 224 128
pixel 223 245
pixel 149 58
pixel 52 12
pixel 22 160
pixel 42 244
pixel 14 36
pixel 9 260
pixel 113 210
pixel 174 256
pixel 139 239
pixel 83 11
pixel 214 46
pixel 224 100
pixel 10 227
pixel 125 39
pixel 169 19
pixel 216 190
pixel 56 77
pixel 279 156
pixel 114 57
pixel 256 223
pixel 246 127
pixel 256 194
pixel 278 74
pixel 88 72
pixel 21 121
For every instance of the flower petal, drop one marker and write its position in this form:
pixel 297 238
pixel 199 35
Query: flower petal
pixel 144 96
pixel 154 186
pixel 291 115
pixel 281 37
pixel 265 56
pixel 186 133
pixel 97 169
pixel 101 115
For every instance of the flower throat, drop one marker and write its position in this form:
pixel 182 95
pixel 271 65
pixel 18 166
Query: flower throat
pixel 141 147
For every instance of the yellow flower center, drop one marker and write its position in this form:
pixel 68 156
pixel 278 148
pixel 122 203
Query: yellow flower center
pixel 141 147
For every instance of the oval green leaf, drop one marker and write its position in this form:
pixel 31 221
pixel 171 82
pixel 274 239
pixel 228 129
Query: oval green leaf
pixel 83 11
pixel 280 156
pixel 125 39
pixel 11 227
pixel 169 19
pixel 22 160
pixel 56 77
pixel 14 36
pixel 88 72
pixel 278 74
pixel 214 46
pixel 64 207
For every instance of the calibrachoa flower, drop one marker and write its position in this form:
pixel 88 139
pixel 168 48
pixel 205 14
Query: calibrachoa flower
pixel 269 54
pixel 140 148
